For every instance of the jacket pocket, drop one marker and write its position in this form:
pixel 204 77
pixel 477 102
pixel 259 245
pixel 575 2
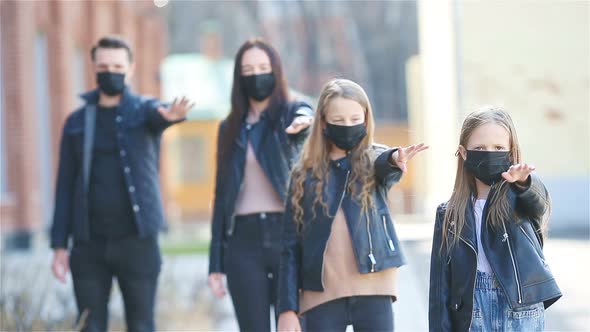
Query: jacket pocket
pixel 531 239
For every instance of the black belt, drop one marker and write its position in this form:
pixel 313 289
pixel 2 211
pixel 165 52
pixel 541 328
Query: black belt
pixel 260 216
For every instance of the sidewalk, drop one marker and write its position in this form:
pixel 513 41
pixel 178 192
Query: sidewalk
pixel 563 254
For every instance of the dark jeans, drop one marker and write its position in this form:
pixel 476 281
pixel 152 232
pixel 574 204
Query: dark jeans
pixel 135 262
pixel 365 313
pixel 251 263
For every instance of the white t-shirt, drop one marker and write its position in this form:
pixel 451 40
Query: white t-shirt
pixel 482 261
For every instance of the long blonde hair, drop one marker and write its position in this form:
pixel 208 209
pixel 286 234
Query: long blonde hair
pixel 315 156
pixel 464 189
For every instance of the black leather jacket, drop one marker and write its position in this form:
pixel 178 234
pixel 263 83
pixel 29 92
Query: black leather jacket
pixel 514 253
pixel 303 252
pixel 275 150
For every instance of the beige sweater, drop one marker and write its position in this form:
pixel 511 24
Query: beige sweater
pixel 258 194
pixel 340 274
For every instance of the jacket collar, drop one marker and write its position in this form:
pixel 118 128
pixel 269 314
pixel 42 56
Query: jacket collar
pixel 341 163
pixel 91 97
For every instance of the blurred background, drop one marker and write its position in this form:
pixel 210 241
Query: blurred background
pixel 424 65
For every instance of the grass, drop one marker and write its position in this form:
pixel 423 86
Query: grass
pixel 185 248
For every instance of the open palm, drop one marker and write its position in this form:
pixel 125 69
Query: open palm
pixel 403 155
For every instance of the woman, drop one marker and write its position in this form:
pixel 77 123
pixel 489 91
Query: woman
pixel 258 143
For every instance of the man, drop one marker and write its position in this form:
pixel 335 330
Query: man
pixel 108 196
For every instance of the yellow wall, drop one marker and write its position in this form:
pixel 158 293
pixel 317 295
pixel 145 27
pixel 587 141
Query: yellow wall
pixel 189 159
pixel 400 195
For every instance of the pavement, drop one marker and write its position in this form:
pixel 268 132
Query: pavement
pixel 565 255
pixel 186 304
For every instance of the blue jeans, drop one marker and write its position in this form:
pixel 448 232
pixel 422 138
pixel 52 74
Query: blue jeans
pixel 491 311
pixel 364 313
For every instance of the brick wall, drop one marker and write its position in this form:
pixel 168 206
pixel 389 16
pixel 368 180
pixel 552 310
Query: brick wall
pixel 70 28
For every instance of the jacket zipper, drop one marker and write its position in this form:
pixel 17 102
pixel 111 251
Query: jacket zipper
pixel 505 239
pixel 339 204
pixel 371 256
pixel 232 220
pixel 389 241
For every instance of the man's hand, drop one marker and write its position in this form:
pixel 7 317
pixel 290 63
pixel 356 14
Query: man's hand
pixel 215 282
pixel 60 265
pixel 177 111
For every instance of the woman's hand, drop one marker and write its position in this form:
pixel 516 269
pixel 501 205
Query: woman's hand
pixel 298 124
pixel 215 282
pixel 289 322
pixel 518 173
pixel 403 155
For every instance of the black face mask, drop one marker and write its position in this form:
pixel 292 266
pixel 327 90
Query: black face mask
pixel 258 87
pixel 487 166
pixel 111 84
pixel 345 137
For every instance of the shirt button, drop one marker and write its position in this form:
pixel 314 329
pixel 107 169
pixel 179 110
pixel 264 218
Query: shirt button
pixel 119 118
pixel 136 208
pixel 127 170
pixel 248 126
pixel 123 153
pixel 131 189
pixel 338 165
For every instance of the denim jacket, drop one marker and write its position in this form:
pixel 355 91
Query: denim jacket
pixel 139 130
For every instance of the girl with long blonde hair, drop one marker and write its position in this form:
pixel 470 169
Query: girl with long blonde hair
pixel 341 251
pixel 488 271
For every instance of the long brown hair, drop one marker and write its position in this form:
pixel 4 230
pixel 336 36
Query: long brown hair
pixel 315 156
pixel 240 103
pixel 465 189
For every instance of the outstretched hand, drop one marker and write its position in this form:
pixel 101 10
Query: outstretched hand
pixel 403 155
pixel 298 124
pixel 518 173
pixel 176 111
